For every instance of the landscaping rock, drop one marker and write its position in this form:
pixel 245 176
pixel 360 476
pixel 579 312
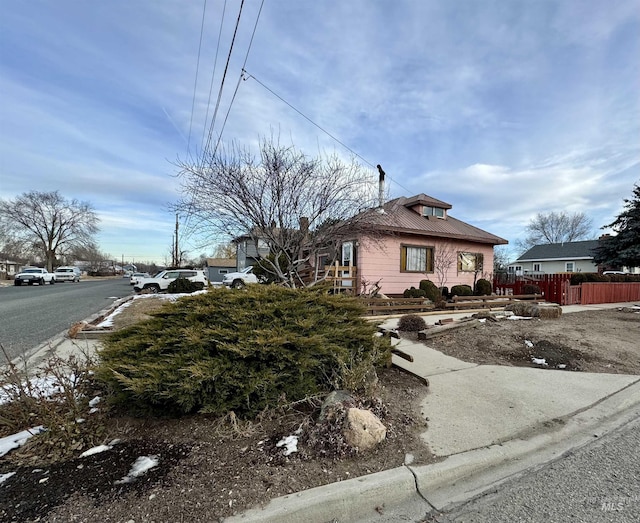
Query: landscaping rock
pixel 363 430
pixel 334 399
pixel 523 308
pixel 548 311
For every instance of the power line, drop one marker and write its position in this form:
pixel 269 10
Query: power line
pixel 321 128
pixel 224 76
pixel 213 73
pixel 240 77
pixel 195 83
pixel 310 120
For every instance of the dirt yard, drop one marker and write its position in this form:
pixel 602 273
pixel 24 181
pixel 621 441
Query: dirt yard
pixel 210 468
pixel 592 341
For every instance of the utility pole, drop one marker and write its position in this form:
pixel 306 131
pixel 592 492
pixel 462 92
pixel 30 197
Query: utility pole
pixel 177 251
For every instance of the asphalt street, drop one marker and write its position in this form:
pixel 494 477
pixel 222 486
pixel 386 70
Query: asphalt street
pixel 31 315
pixel 599 482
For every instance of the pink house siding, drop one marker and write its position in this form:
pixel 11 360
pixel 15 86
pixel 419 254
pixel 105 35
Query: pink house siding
pixel 380 260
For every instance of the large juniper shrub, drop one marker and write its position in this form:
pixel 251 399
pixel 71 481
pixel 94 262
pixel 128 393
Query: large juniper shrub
pixel 243 352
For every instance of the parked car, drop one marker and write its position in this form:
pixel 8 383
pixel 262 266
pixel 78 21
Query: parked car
pixel 237 280
pixel 31 275
pixel 71 274
pixel 160 282
pixel 136 276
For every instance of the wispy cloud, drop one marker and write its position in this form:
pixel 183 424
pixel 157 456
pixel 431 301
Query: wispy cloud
pixel 504 109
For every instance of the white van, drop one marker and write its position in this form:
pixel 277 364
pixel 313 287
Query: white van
pixel 71 274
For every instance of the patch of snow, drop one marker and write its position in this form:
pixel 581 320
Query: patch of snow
pixel 482 320
pixel 514 317
pixel 290 443
pixel 96 450
pixel 14 441
pixel 539 361
pixel 528 344
pixel 108 321
pixel 94 410
pixel 139 467
pixel 5 477
pixel 94 401
pixel 562 366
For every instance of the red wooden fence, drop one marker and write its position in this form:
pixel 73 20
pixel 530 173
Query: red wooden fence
pixel 553 287
pixel 557 288
pixel 609 292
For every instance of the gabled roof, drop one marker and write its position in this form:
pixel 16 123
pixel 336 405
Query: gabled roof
pixel 398 217
pixel 560 251
pixel 424 199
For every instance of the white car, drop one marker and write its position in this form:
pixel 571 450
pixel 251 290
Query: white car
pixel 136 276
pixel 31 275
pixel 161 281
pixel 237 280
pixel 71 274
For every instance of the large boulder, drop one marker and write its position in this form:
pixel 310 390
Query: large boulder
pixel 362 429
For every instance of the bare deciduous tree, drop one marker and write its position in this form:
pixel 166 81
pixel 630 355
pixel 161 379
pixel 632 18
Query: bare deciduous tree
pixel 293 204
pixel 444 258
pixel 556 227
pixel 47 223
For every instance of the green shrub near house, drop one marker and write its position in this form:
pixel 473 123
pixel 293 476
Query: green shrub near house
pixel 431 290
pixel 461 290
pixel 414 293
pixel 483 287
pixel 241 351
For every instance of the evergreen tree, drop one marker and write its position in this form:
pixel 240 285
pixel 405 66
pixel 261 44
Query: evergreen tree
pixel 623 249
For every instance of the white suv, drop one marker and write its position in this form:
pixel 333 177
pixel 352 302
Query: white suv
pixel 71 274
pixel 161 281
pixel 31 275
pixel 237 280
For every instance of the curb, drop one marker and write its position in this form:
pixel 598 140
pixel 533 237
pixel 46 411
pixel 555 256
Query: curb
pixel 460 477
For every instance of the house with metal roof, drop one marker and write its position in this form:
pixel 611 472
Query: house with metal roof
pixel 419 239
pixel 556 258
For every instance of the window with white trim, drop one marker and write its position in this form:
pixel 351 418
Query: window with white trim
pixel 537 267
pixel 433 211
pixel 569 267
pixel 416 258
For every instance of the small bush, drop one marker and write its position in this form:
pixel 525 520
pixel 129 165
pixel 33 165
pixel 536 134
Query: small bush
pixel 411 323
pixel 461 290
pixel 483 287
pixel 183 285
pixel 431 291
pixel 578 277
pixel 414 293
pixel 531 289
pixel 240 351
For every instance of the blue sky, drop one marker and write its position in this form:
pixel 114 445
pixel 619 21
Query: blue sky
pixel 501 108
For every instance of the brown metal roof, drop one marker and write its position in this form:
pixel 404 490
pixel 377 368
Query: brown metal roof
pixel 398 217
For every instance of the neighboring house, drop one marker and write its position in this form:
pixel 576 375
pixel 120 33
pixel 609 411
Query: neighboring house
pixel 555 258
pixel 218 267
pixel 8 268
pixel 420 240
pixel 248 252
